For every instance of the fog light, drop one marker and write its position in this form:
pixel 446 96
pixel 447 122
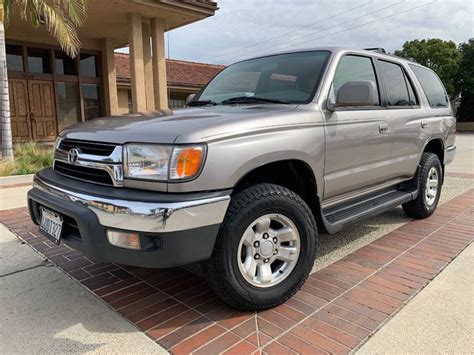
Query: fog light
pixel 124 239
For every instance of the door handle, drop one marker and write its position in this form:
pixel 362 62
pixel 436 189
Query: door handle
pixel 383 128
pixel 32 117
pixel 425 124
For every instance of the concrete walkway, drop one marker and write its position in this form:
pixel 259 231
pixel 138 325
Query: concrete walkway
pixel 439 320
pixel 61 318
pixel 464 159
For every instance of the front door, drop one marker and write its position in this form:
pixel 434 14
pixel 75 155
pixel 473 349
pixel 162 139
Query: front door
pixel 42 110
pixel 50 91
pixel 19 109
pixel 358 140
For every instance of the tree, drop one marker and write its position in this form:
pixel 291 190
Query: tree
pixel 465 81
pixel 7 145
pixel 61 18
pixel 441 56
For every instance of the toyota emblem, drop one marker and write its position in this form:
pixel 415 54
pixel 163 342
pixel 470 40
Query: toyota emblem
pixel 72 156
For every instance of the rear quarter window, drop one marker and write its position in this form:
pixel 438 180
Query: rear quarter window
pixel 432 86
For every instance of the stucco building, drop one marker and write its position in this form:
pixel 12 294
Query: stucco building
pixel 183 78
pixel 50 91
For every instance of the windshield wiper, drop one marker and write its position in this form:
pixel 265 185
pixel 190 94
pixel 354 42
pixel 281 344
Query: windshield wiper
pixel 202 103
pixel 250 99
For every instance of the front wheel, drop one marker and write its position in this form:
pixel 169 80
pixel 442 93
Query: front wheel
pixel 265 249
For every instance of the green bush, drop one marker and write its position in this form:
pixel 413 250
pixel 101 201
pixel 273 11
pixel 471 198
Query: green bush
pixel 29 158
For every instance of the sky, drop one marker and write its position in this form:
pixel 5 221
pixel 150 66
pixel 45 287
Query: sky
pixel 243 29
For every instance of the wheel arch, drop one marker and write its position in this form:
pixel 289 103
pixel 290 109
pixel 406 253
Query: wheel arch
pixel 436 146
pixel 294 174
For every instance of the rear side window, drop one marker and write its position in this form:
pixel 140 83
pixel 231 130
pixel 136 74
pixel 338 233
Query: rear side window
pixel 399 91
pixel 395 84
pixel 432 86
pixel 354 68
pixel 411 92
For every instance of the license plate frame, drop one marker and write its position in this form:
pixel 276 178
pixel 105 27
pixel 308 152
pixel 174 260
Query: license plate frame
pixel 51 225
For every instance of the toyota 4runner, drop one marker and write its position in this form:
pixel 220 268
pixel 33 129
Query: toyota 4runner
pixel 272 150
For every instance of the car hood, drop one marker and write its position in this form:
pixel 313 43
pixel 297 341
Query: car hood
pixel 189 125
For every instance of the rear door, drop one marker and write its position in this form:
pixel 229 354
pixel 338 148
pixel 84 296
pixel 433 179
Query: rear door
pixel 406 118
pixel 358 140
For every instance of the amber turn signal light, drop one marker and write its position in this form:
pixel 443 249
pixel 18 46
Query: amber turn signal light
pixel 186 162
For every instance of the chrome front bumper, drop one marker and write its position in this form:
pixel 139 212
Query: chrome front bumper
pixel 150 217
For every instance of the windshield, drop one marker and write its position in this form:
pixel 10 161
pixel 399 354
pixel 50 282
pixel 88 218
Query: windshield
pixel 290 78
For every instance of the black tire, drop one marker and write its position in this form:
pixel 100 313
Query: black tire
pixel 222 271
pixel 419 208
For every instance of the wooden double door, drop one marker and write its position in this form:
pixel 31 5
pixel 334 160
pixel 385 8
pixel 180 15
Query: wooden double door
pixel 32 110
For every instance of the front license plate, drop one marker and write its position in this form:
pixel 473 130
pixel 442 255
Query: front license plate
pixel 51 225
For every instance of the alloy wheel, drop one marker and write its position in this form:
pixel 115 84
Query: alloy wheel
pixel 269 250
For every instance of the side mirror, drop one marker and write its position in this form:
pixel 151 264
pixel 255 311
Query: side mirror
pixel 356 94
pixel 190 98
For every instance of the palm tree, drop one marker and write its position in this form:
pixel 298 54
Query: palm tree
pixel 61 19
pixel 7 145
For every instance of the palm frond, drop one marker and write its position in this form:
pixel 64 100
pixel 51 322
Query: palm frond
pixel 6 12
pixel 75 10
pixel 61 18
pixel 60 27
pixel 28 10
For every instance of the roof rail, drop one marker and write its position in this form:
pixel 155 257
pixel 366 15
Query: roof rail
pixel 377 49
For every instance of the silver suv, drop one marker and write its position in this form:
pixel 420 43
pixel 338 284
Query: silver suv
pixel 272 150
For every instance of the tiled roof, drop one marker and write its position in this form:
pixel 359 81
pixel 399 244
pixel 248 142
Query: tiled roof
pixel 180 72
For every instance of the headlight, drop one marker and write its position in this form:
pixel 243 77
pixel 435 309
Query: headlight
pixel 163 163
pixel 57 142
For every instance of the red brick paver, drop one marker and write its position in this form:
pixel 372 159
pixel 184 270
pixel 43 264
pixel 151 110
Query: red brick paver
pixel 337 309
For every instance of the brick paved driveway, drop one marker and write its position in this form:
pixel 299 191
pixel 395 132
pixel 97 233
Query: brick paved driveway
pixel 338 308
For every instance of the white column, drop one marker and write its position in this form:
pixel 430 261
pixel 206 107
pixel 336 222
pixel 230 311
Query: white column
pixel 110 77
pixel 159 64
pixel 148 64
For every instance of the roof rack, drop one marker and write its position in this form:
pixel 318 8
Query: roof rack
pixel 377 49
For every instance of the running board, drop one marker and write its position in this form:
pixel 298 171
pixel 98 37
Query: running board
pixel 336 218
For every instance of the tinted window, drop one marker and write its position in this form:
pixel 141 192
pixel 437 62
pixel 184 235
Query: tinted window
pixel 90 92
pixel 292 77
pixel 395 85
pixel 14 58
pixel 69 112
pixel 354 68
pixel 88 65
pixel 39 60
pixel 411 92
pixel 65 65
pixel 432 86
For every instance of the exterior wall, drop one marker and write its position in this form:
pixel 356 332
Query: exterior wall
pixel 123 100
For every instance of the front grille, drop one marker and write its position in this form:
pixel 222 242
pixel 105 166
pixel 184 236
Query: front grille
pixel 97 176
pixel 94 148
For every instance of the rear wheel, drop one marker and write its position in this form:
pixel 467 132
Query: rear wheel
pixel 265 249
pixel 429 177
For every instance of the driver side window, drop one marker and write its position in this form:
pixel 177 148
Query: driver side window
pixel 354 68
